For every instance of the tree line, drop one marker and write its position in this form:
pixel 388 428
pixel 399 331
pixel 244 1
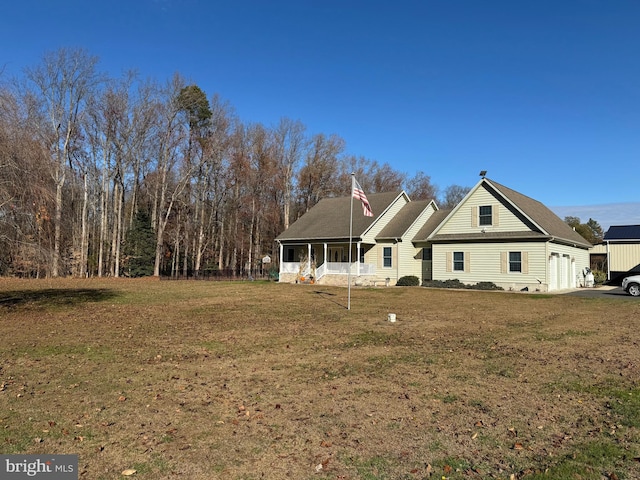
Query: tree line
pixel 103 176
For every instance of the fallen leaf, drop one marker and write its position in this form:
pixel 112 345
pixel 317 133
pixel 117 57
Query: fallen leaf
pixel 447 469
pixel 128 472
pixel 474 436
pixel 518 446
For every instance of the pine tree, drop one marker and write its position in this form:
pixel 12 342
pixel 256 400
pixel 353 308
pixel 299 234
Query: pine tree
pixel 140 247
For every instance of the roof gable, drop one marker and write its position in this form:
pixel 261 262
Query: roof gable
pixel 329 218
pixel 550 223
pixel 536 220
pixel 406 217
pixel 430 225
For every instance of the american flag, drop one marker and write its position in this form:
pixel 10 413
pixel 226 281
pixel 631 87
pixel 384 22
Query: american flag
pixel 359 194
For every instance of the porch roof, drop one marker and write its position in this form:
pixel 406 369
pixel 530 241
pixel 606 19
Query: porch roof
pixel 329 219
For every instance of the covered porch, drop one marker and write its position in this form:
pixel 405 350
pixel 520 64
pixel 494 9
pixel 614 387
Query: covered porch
pixel 325 262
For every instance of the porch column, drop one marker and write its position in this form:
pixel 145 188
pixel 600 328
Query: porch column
pixel 309 258
pixel 325 254
pixel 358 258
pixel 281 258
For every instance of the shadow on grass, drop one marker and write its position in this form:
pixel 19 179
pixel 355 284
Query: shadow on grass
pixel 328 296
pixel 54 297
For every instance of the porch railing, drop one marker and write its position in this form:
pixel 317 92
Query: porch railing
pixel 331 268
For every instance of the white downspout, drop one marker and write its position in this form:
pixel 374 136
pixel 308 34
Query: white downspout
pixel 281 258
pixel 608 263
pixel 358 258
pixel 309 258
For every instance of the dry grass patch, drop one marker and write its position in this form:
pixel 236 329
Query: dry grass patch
pixel 206 380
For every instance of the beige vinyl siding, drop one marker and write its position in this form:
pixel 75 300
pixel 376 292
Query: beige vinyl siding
pixel 371 256
pixel 409 260
pixel 465 219
pixel 486 263
pixel 382 222
pixel 410 256
pixel 601 248
pixel 383 272
pixel 623 256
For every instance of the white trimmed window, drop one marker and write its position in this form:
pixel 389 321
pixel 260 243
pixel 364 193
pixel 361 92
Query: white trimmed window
pixel 458 261
pixel 485 215
pixel 386 257
pixel 515 262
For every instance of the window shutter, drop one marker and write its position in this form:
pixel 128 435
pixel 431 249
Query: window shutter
pixel 496 216
pixel 394 256
pixel 474 216
pixel 449 262
pixel 467 262
pixel 525 262
pixel 504 262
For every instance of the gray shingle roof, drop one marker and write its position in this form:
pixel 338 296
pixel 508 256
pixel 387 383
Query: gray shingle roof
pixel 397 227
pixel 431 224
pixel 541 215
pixel 329 218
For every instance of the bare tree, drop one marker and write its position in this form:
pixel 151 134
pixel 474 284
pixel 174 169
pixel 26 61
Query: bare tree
pixel 420 187
pixel 453 194
pixel 63 82
pixel 290 144
pixel 170 180
pixel 25 193
pixel 371 176
pixel 318 176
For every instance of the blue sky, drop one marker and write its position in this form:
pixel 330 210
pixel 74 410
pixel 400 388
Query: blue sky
pixel 544 95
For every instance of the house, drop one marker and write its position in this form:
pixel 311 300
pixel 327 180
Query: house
pixel 494 234
pixel 619 254
pixel 317 245
pixel 498 235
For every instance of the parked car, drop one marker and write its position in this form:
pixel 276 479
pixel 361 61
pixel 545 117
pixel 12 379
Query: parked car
pixel 631 285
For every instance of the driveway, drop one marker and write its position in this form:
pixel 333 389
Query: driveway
pixel 600 292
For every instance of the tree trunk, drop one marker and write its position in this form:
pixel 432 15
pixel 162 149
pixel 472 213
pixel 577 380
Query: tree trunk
pixel 84 240
pixel 58 220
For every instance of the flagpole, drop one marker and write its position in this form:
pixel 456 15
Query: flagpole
pixel 353 180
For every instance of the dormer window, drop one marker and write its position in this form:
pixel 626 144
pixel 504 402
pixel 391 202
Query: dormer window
pixel 485 215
